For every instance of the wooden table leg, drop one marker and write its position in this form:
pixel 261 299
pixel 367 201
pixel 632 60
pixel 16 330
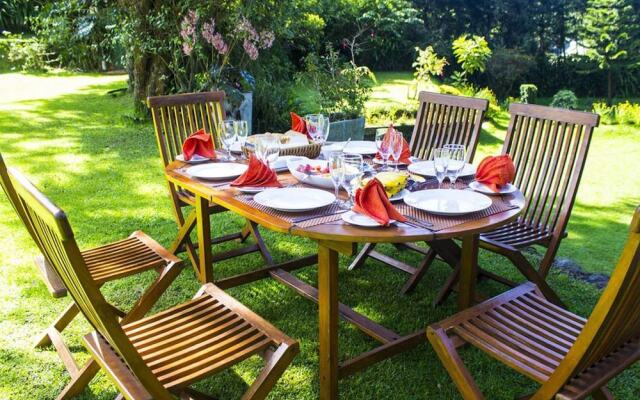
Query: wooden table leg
pixel 468 271
pixel 205 256
pixel 328 321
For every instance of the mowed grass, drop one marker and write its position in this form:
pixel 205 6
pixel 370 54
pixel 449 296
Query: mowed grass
pixel 77 144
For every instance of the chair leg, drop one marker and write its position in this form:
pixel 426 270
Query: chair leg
pixel 80 381
pixel 275 365
pixel 602 394
pixel 362 256
pixel 59 324
pixel 422 269
pixel 525 267
pixel 264 252
pixel 451 360
pixel 447 288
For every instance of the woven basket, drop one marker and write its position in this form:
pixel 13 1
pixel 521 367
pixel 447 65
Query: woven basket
pixel 311 150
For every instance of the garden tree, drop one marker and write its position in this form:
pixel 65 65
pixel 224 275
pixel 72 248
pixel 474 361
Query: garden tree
pixel 611 32
pixel 428 64
pixel 472 53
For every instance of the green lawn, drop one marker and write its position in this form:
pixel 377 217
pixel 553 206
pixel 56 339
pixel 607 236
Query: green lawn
pixel 77 145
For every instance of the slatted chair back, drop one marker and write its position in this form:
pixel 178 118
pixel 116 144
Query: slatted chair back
pixel 615 319
pixel 549 147
pixel 446 119
pixel 175 117
pixel 52 228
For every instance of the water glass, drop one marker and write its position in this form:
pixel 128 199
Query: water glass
pixel 228 137
pixel 336 170
pixel 440 163
pixel 457 158
pixel 353 168
pixel 318 127
pixel 242 132
pixel 384 146
pixel 396 146
pixel 267 149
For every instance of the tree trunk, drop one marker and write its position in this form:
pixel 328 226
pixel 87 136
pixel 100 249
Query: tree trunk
pixel 146 69
pixel 609 88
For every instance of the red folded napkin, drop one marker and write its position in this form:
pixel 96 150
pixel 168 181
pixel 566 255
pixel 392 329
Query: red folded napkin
pixel 298 124
pixel 372 201
pixel 405 156
pixel 496 172
pixel 200 143
pixel 257 175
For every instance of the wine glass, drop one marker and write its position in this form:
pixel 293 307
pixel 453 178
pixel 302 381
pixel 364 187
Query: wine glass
pixel 267 149
pixel 457 156
pixel 318 127
pixel 336 169
pixel 440 162
pixel 384 146
pixel 228 137
pixel 396 146
pixel 352 165
pixel 242 132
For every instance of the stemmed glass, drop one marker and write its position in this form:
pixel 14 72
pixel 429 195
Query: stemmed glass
pixel 457 156
pixel 396 146
pixel 336 169
pixel 267 149
pixel 318 127
pixel 352 166
pixel 440 162
pixel 242 131
pixel 228 137
pixel 384 147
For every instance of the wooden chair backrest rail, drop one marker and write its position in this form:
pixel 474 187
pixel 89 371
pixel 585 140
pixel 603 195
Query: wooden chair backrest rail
pixel 175 117
pixel 614 321
pixel 445 119
pixel 50 225
pixel 549 148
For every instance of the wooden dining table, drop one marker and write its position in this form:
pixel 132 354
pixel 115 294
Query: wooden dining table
pixel 332 238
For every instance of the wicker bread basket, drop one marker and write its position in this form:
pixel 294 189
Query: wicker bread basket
pixel 311 150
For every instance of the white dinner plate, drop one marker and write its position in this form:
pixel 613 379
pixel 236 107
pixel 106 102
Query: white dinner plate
pixel 363 147
pixel 448 202
pixel 426 168
pixel 195 159
pixel 294 199
pixel 400 195
pixel 482 188
pixel 354 218
pixel 281 162
pixel 251 189
pixel 217 171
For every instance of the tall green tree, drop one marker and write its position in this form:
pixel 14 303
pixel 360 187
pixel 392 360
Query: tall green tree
pixel 611 33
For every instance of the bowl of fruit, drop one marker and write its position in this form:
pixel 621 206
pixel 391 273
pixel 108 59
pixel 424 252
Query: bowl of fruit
pixel 311 172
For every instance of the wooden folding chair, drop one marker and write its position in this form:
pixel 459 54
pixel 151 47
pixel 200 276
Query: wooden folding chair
pixel 134 255
pixel 155 356
pixel 175 117
pixel 569 356
pixel 549 148
pixel 442 119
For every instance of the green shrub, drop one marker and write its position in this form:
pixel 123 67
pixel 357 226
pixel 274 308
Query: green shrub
pixel 448 89
pixel 528 93
pixel 494 108
pixel 565 99
pixel 507 102
pixel 25 54
pixel 607 113
pixel 428 64
pixel 506 69
pixel 628 113
pixel 396 114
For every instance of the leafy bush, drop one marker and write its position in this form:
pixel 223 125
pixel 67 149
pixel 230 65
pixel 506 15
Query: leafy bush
pixel 506 69
pixel 628 113
pixel 471 53
pixel 428 64
pixel 507 102
pixel 607 113
pixel 25 54
pixel 396 114
pixel 565 99
pixel 343 87
pixel 528 93
pixel 487 94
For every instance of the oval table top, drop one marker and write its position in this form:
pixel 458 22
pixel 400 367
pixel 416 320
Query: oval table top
pixel 336 231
